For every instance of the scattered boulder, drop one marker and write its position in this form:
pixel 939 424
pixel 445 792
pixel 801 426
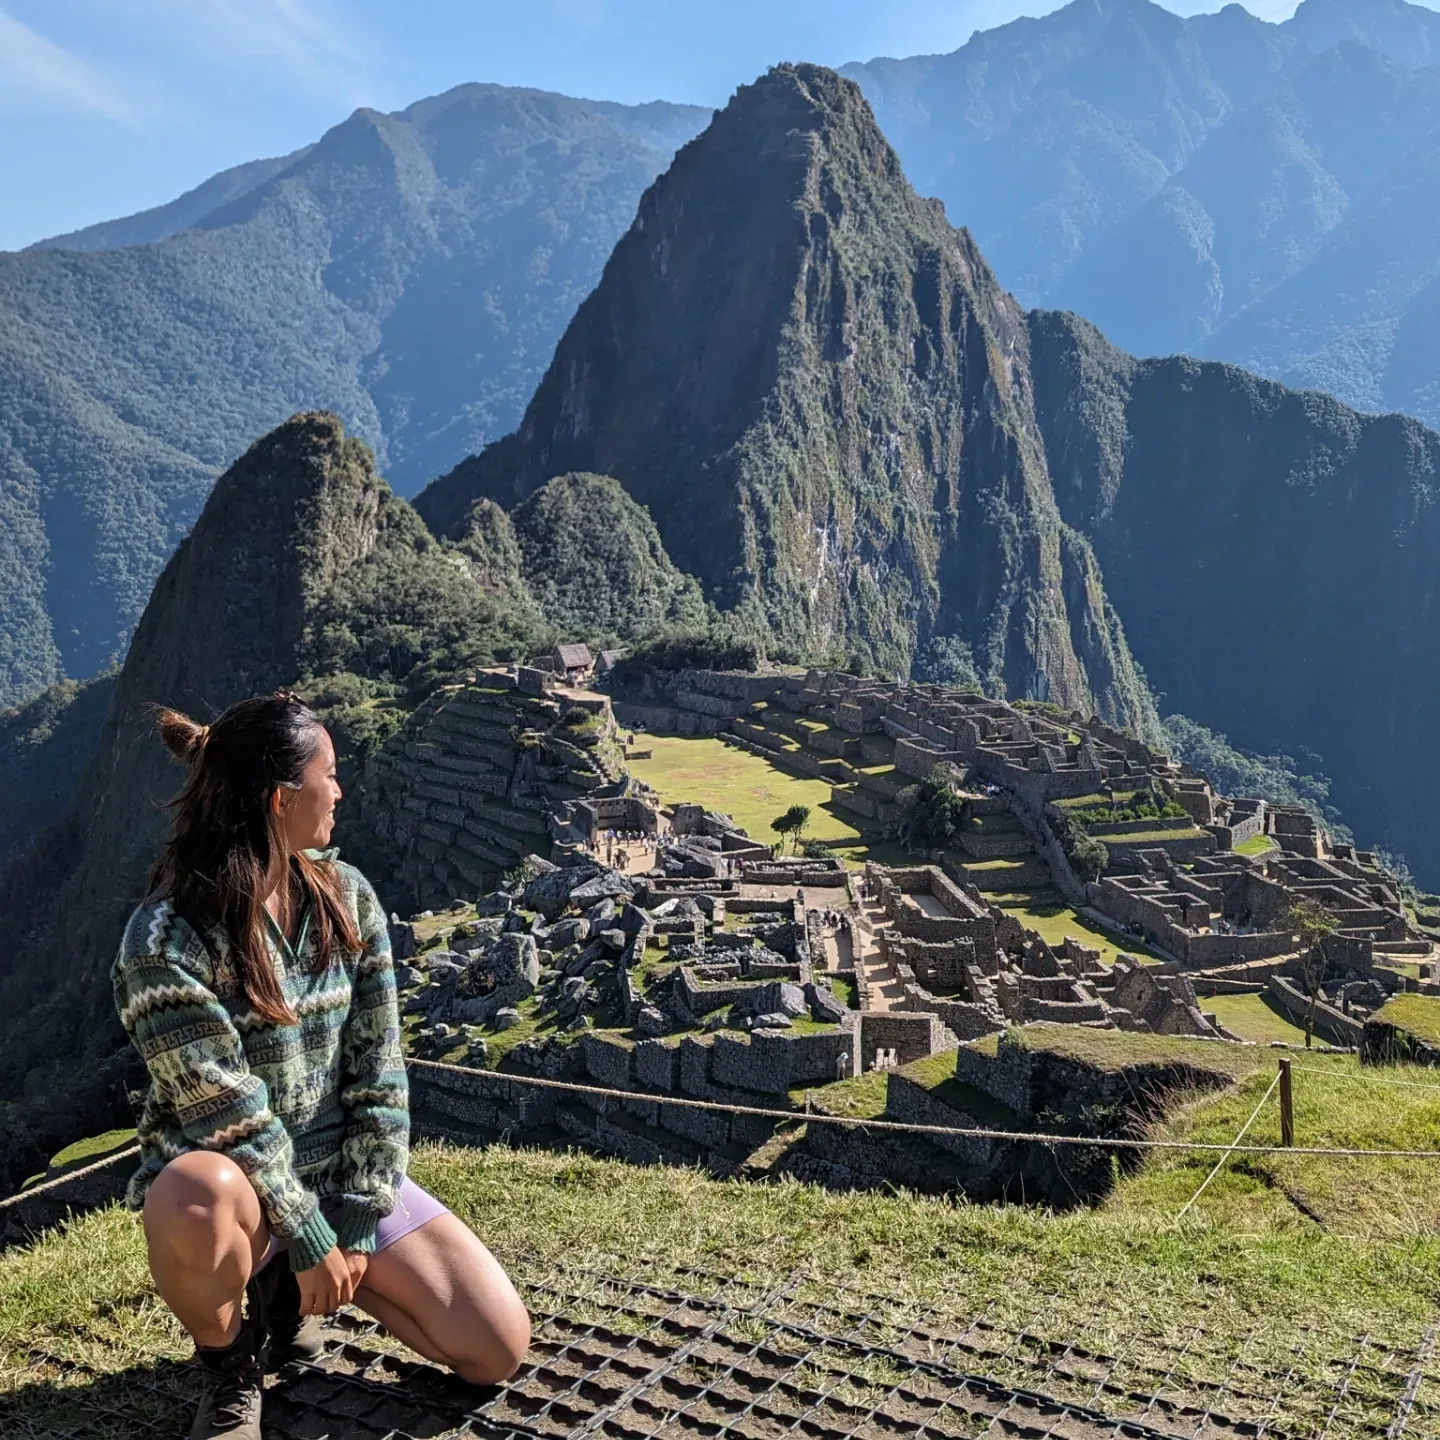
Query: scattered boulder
pixel 446 967
pixel 775 997
pixel 650 1021
pixel 507 971
pixel 825 1006
pixel 777 1020
pixel 607 885
pixel 612 939
pixel 407 977
pixel 550 892
pixel 497 902
pixel 600 914
pixel 506 1016
pixel 402 938
pixel 565 933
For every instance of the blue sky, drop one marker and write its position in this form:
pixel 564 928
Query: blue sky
pixel 110 106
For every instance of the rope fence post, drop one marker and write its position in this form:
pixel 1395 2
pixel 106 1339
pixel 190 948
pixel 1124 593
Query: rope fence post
pixel 1287 1105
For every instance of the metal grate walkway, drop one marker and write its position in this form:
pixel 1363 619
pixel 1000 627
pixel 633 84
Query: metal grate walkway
pixel 706 1355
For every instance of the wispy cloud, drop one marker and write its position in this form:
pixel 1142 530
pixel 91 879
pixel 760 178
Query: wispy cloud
pixel 314 49
pixel 33 68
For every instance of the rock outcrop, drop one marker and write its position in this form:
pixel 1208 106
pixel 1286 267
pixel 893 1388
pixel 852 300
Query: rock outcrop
pixel 820 392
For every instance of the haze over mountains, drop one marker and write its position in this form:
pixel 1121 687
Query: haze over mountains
pixel 852 441
pixel 1263 194
pixel 410 271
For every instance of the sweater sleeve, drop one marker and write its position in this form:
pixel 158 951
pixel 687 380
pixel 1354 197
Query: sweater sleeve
pixel 200 1074
pixel 374 1092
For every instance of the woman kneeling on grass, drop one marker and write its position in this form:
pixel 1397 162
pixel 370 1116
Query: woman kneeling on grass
pixel 257 983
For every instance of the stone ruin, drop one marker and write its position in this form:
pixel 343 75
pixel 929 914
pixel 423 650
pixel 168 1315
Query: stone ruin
pixel 975 966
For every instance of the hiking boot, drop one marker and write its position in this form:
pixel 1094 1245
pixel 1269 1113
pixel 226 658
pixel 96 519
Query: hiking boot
pixel 275 1304
pixel 234 1388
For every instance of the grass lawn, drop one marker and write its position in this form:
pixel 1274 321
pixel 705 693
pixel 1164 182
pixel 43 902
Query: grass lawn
pixel 1245 1280
pixel 1045 911
pixel 1418 1014
pixel 1256 845
pixel 753 791
pixel 1252 1017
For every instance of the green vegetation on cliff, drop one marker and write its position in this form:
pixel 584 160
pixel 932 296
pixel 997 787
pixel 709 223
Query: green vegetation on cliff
pixel 817 389
pixel 304 569
pixel 410 271
pixel 596 566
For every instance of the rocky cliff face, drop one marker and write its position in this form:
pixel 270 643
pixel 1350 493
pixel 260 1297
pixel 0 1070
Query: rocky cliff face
pixel 1276 557
pixel 302 564
pixel 821 394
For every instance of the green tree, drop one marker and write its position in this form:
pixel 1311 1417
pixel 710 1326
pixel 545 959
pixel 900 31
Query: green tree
pixel 792 822
pixel 931 812
pixel 1313 924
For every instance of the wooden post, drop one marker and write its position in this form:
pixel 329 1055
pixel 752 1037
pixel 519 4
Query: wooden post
pixel 1287 1105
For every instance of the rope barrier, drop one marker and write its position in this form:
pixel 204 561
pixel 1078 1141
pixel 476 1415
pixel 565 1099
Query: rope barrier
pixel 1370 1079
pixel 863 1123
pixel 65 1179
pixel 1231 1150
pixel 911 1127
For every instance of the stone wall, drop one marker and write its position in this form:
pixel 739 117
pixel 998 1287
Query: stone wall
pixel 1333 1024
pixel 912 1036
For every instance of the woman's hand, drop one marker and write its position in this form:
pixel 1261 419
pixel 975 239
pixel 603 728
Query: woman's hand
pixel 325 1287
pixel 359 1262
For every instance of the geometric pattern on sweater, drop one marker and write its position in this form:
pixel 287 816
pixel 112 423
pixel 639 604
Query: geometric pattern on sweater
pixel 310 1111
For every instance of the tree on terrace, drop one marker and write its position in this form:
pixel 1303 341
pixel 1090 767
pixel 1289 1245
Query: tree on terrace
pixel 1313 924
pixel 792 822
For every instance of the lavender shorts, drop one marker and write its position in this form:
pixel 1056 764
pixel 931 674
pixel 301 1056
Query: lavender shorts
pixel 414 1207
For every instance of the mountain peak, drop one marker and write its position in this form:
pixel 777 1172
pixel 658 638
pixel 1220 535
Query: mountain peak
pixel 818 390
pixel 1405 33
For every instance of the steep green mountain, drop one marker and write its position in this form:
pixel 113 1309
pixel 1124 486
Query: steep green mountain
pixel 819 392
pixel 595 563
pixel 1262 194
pixel 44 745
pixel 410 272
pixel 303 569
pixel 1276 557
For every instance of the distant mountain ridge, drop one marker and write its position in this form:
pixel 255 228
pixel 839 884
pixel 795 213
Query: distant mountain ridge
pixel 410 271
pixel 1215 185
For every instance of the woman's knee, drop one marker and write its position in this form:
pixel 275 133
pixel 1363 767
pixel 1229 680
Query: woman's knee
pixel 199 1193
pixel 499 1346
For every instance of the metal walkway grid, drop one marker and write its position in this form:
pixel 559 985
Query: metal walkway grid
pixel 704 1355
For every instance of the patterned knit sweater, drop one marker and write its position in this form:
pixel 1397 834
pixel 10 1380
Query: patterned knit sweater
pixel 308 1111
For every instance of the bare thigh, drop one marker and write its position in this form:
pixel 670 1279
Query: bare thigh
pixel 444 1294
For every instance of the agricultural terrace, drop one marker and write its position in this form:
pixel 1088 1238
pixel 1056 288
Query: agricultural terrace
pixel 753 792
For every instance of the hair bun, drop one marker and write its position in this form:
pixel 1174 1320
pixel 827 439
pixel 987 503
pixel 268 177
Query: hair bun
pixel 184 738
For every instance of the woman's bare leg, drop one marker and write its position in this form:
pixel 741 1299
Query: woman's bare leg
pixel 442 1293
pixel 206 1234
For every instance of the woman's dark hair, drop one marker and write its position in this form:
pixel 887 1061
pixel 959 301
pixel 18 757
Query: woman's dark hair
pixel 226 832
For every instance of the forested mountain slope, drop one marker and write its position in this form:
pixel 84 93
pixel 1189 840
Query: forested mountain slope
pixel 819 391
pixel 409 271
pixel 1274 554
pixel 1264 194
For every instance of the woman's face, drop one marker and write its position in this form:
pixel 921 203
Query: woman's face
pixel 307 815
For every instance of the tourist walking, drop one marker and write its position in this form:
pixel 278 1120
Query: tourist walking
pixel 256 981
